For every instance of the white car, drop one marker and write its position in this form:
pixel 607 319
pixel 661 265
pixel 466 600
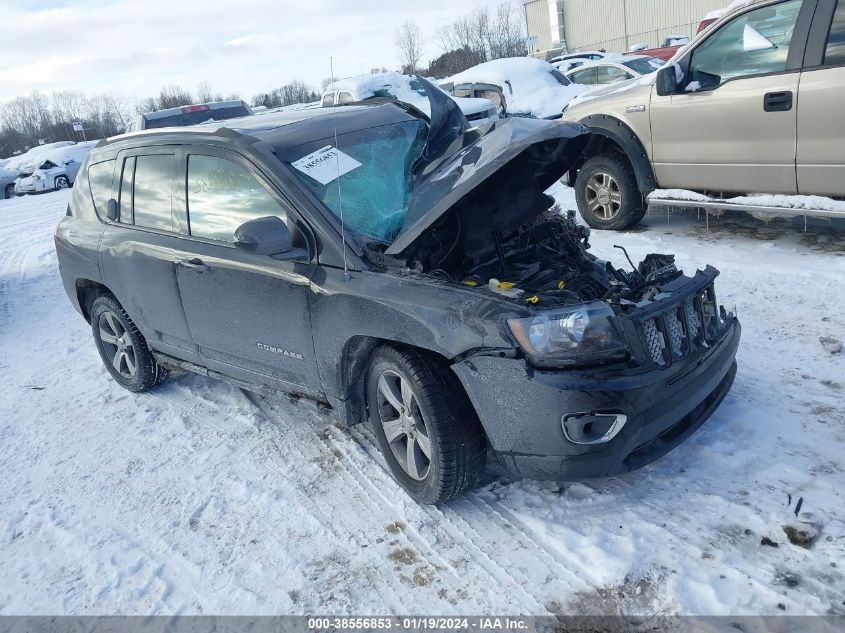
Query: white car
pixel 519 86
pixel 51 170
pixel 397 86
pixel 609 71
pixel 190 115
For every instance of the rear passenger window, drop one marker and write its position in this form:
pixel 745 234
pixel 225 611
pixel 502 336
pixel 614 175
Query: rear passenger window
pixel 835 53
pixel 100 180
pixel 153 191
pixel 222 195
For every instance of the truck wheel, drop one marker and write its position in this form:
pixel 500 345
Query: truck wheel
pixel 9 192
pixel 122 347
pixel 62 182
pixel 607 193
pixel 425 426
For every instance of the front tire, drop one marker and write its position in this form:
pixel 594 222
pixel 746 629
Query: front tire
pixel 9 192
pixel 607 193
pixel 425 425
pixel 122 347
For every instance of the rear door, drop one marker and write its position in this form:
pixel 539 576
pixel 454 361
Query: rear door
pixel 733 127
pixel 821 95
pixel 248 314
pixel 137 252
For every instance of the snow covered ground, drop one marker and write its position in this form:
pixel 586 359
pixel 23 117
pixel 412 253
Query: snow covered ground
pixel 200 498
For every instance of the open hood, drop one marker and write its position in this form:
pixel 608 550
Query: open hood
pixel 493 176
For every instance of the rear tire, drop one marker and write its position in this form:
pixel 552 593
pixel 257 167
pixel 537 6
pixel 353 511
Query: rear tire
pixel 607 193
pixel 122 347
pixel 415 400
pixel 62 182
pixel 9 192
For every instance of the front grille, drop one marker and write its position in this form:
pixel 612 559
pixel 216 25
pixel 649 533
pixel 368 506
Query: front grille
pixel 680 328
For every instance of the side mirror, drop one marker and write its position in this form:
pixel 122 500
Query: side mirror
pixel 112 210
pixel 268 236
pixel 667 82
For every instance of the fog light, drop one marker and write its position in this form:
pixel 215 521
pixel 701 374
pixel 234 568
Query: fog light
pixel 593 427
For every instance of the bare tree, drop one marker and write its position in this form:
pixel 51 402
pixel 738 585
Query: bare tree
pixel 409 44
pixel 206 95
pixel 478 37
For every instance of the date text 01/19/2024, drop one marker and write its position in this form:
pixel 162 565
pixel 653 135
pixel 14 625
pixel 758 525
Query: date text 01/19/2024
pixel 416 623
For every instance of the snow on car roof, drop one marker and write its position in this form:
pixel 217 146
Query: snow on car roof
pixel 55 152
pixel 399 86
pixel 527 84
pixel 733 6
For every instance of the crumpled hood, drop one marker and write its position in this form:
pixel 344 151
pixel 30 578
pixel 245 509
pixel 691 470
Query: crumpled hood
pixel 514 154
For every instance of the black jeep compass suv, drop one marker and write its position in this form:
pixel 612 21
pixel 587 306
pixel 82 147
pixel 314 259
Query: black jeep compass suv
pixel 401 270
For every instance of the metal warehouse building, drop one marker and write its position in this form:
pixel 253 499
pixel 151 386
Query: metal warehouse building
pixel 614 25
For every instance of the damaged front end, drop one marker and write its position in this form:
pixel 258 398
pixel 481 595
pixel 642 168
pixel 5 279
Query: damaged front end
pixel 479 218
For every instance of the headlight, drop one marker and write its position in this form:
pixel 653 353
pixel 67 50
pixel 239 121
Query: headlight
pixel 36 177
pixel 578 335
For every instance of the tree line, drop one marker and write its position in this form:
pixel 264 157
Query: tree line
pixel 485 34
pixel 27 120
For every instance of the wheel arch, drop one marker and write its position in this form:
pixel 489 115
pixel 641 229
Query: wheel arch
pixel 87 291
pixel 355 360
pixel 610 134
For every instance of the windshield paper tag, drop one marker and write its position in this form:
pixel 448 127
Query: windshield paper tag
pixel 326 164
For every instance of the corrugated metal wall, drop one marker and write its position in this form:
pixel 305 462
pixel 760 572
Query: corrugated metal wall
pixel 594 24
pixel 538 23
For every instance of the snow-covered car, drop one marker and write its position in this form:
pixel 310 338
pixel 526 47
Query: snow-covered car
pixel 7 181
pixel 405 88
pixel 190 115
pixel 608 71
pixel 53 169
pixel 518 86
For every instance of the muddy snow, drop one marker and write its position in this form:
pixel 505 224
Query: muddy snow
pixel 201 498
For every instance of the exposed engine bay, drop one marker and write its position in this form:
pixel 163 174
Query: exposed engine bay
pixel 545 262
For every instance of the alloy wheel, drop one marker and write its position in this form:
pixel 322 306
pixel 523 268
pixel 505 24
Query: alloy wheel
pixel 403 425
pixel 62 183
pixel 604 197
pixel 117 345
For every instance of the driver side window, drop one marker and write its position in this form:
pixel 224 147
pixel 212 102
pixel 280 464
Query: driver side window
pixel 755 43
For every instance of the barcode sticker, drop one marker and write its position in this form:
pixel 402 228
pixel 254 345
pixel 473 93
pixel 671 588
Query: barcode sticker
pixel 326 164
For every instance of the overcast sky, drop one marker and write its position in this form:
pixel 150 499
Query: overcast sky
pixel 247 46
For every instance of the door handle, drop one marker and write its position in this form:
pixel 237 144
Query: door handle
pixel 194 264
pixel 777 101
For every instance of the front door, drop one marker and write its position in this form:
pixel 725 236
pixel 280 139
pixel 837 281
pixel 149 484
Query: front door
pixel 247 313
pixel 733 126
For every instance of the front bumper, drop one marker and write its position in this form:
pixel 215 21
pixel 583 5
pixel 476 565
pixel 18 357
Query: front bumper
pixel 521 409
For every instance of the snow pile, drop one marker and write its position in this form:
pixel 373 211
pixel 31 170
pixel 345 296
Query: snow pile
pixel 809 203
pixel 527 84
pixel 733 6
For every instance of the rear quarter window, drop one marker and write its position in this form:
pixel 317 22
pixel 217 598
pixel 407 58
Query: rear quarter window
pixel 100 177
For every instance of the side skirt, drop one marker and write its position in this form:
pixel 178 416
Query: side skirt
pixel 294 391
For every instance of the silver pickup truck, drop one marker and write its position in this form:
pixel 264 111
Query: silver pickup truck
pixel 753 105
